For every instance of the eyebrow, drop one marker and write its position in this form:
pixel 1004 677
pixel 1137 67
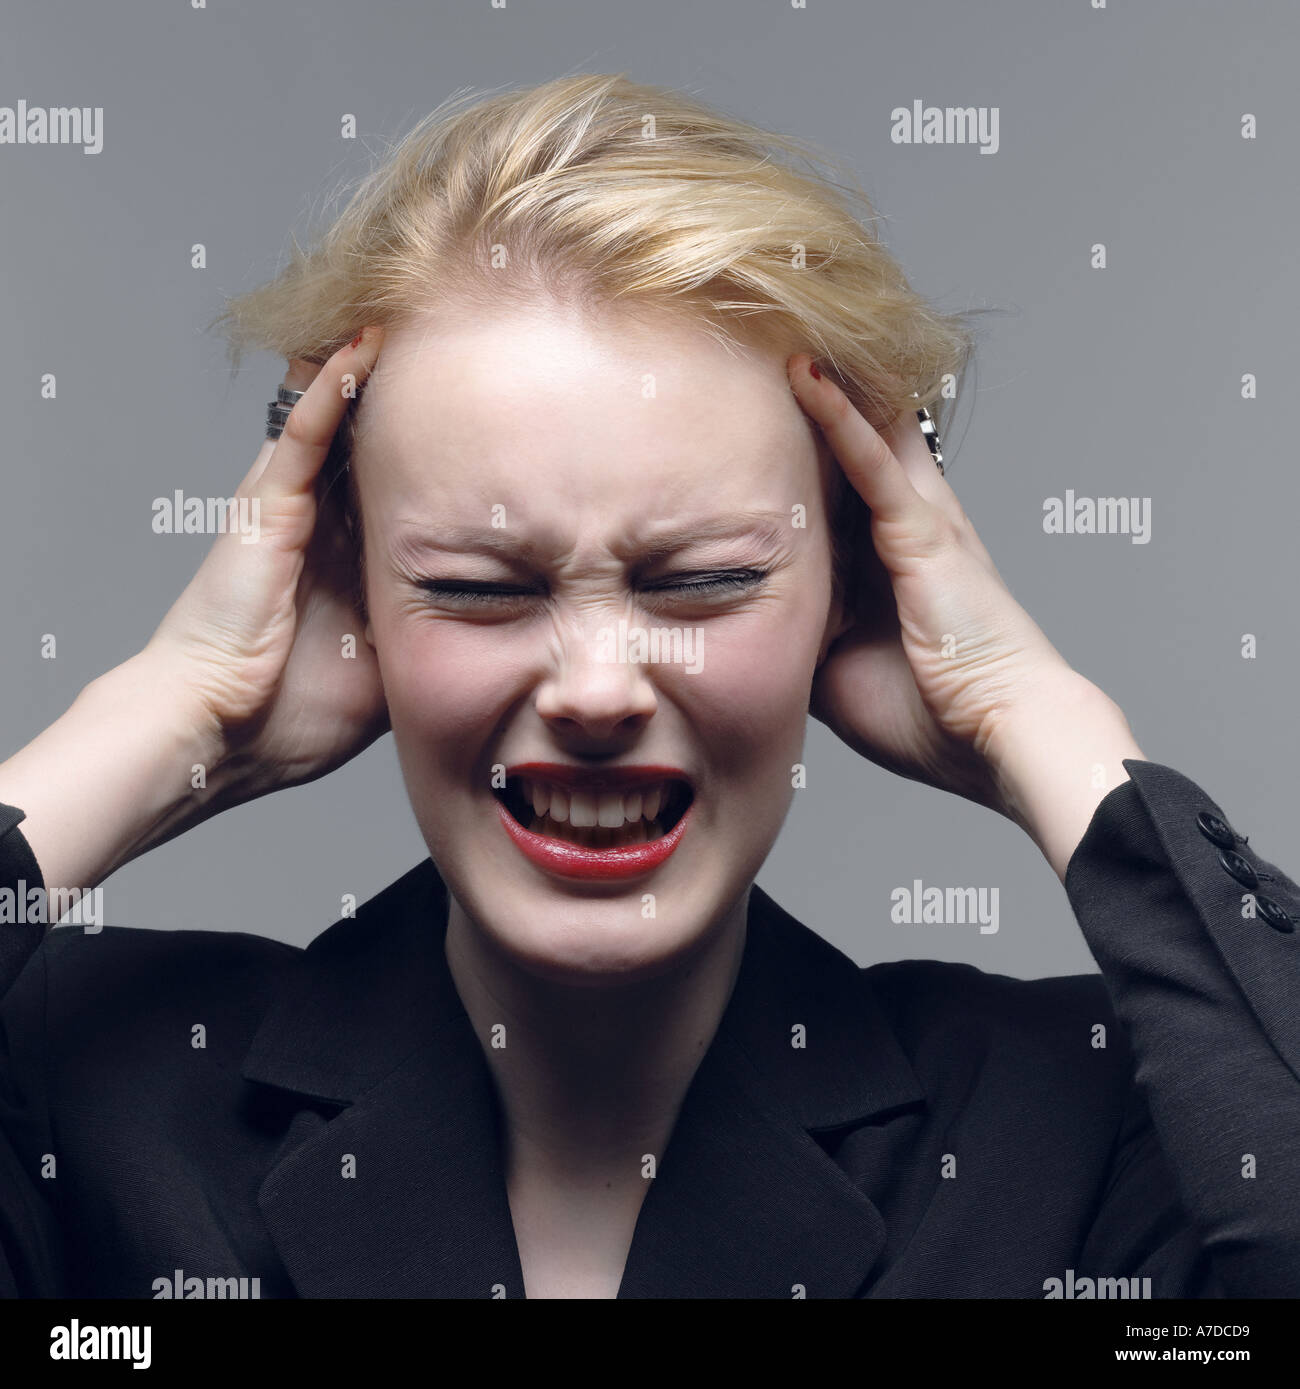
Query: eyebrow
pixel 769 526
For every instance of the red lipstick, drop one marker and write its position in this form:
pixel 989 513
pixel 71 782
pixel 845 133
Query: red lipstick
pixel 571 860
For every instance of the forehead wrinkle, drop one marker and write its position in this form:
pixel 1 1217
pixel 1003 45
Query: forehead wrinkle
pixel 415 539
pixel 669 536
pixel 656 540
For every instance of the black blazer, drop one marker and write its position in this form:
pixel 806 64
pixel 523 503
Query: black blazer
pixel 943 1133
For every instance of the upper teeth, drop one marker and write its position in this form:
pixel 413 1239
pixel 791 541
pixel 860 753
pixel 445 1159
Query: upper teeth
pixel 588 808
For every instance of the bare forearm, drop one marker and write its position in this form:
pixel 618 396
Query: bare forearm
pixel 1057 761
pixel 111 778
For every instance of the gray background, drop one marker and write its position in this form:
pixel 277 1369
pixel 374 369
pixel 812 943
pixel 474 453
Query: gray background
pixel 221 126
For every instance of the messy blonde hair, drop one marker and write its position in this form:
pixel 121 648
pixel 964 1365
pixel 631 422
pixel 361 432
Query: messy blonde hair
pixel 604 191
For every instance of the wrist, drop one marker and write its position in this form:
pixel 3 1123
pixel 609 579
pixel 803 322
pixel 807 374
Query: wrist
pixel 147 692
pixel 1055 759
pixel 114 775
pixel 177 773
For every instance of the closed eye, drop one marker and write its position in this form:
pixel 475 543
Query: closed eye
pixel 472 591
pixel 698 584
pixel 691 585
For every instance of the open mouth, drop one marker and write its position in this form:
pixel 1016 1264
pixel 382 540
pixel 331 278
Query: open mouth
pixel 606 819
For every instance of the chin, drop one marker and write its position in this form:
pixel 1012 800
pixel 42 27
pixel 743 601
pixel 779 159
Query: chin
pixel 589 940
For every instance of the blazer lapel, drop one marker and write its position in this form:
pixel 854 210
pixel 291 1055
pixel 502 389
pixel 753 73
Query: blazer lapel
pixel 746 1202
pixel 389 1181
pixel 390 1184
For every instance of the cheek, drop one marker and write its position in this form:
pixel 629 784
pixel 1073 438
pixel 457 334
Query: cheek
pixel 750 667
pixel 444 682
pixel 755 677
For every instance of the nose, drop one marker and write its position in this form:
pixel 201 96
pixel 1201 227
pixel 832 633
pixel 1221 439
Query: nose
pixel 593 691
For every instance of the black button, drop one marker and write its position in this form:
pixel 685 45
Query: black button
pixel 1216 829
pixel 1239 867
pixel 1276 917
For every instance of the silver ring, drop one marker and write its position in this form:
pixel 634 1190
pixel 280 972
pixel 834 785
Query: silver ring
pixel 277 410
pixel 931 437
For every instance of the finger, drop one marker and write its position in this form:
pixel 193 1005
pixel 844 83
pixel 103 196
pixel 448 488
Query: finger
pixel 907 441
pixel 299 375
pixel 301 450
pixel 869 463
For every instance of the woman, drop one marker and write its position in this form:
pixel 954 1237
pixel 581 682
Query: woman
pixel 629 478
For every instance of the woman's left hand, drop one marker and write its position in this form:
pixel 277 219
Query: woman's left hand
pixel 934 681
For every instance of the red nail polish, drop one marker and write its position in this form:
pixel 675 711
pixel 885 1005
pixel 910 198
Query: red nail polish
pixel 812 370
pixel 356 342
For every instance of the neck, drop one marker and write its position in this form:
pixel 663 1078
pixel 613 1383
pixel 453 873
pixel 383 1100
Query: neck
pixel 592 1078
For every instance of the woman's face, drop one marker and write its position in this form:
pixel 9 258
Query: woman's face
pixel 540 491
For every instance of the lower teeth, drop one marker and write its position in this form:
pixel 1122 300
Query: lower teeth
pixel 598 836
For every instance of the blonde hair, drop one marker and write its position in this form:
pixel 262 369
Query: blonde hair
pixel 601 190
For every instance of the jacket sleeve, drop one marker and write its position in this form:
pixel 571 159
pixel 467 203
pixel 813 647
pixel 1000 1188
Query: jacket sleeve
pixel 30 1243
pixel 1196 938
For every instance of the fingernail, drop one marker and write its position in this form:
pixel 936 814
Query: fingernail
pixel 812 371
pixel 356 342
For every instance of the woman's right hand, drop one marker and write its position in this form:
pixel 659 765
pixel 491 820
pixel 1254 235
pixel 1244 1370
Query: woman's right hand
pixel 248 684
pixel 266 640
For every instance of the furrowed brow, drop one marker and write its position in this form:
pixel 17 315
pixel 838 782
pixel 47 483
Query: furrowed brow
pixel 466 540
pixel 766 526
